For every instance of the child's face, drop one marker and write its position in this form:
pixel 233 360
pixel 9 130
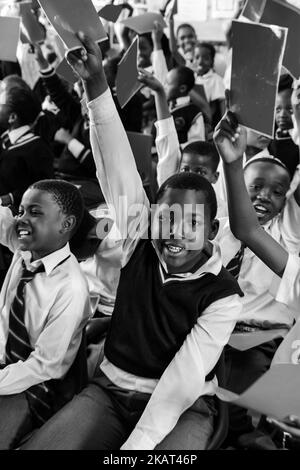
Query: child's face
pixel 200 164
pixel 284 110
pixel 144 53
pixel 256 140
pixel 203 60
pixel 173 88
pixel 182 228
pixel 40 225
pixel 267 185
pixel 186 39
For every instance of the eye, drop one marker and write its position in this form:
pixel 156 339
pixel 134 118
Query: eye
pixel 255 187
pixel 35 213
pixel 278 193
pixel 185 169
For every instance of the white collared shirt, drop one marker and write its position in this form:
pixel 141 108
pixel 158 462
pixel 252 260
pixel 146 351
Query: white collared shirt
pixel 184 379
pixel 15 134
pixel 213 85
pixel 56 309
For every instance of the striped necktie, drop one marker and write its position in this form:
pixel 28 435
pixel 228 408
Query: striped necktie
pixel 18 348
pixel 234 266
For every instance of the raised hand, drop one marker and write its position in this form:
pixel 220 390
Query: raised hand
pixel 87 61
pixel 230 138
pixel 150 81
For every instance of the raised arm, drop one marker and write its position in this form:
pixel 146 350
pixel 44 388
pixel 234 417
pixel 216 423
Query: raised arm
pixel 116 169
pixel 230 140
pixel 167 142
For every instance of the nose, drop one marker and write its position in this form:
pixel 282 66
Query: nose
pixel 264 195
pixel 177 230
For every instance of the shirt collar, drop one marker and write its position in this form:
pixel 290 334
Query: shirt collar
pixel 183 100
pixel 209 74
pixel 50 261
pixel 15 134
pixel 212 266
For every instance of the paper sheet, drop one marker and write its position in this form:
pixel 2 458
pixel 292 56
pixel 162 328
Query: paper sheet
pixel 275 394
pixel 127 83
pixel 257 54
pixel 70 16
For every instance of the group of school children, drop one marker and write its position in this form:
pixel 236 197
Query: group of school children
pixel 171 278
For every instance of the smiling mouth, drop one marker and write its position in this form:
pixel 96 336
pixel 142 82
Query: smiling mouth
pixel 23 234
pixel 261 210
pixel 174 249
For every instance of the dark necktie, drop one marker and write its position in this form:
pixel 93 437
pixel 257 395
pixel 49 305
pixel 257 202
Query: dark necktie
pixel 234 266
pixel 18 348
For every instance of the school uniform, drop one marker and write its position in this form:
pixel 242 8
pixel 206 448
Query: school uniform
pixel 188 120
pixel 213 85
pixel 56 310
pixel 25 160
pixel 150 355
pixel 169 155
pixel 284 148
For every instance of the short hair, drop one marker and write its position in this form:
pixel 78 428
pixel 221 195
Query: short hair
pixel 194 182
pixel 208 46
pixel 185 25
pixel 185 76
pixel 14 80
pixel 205 149
pixel 65 195
pixel 24 103
pixel 267 159
pixel 285 82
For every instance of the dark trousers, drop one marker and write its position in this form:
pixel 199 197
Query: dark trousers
pixel 103 415
pixel 15 420
pixel 243 369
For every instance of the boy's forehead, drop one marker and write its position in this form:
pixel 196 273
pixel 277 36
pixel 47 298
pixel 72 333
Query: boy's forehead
pixel 267 170
pixel 39 197
pixel 193 157
pixel 182 197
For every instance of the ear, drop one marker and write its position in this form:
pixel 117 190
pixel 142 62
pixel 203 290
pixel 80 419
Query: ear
pixel 214 229
pixel 68 224
pixel 215 177
pixel 12 118
pixel 183 89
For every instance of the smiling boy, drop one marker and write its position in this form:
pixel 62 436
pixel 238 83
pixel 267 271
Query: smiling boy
pixel 175 307
pixel 44 306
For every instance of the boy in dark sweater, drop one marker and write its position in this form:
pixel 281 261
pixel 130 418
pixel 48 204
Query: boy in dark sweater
pixel 175 309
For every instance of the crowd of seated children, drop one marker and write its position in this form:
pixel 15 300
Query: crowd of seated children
pixel 156 365
pixel 44 306
pixel 197 276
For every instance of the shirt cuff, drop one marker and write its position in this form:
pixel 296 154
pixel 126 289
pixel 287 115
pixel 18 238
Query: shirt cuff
pixel 102 108
pixel 165 126
pixel 75 147
pixel 283 289
pixel 138 440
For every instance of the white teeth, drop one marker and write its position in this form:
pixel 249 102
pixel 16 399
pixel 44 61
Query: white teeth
pixel 174 249
pixel 23 233
pixel 261 208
